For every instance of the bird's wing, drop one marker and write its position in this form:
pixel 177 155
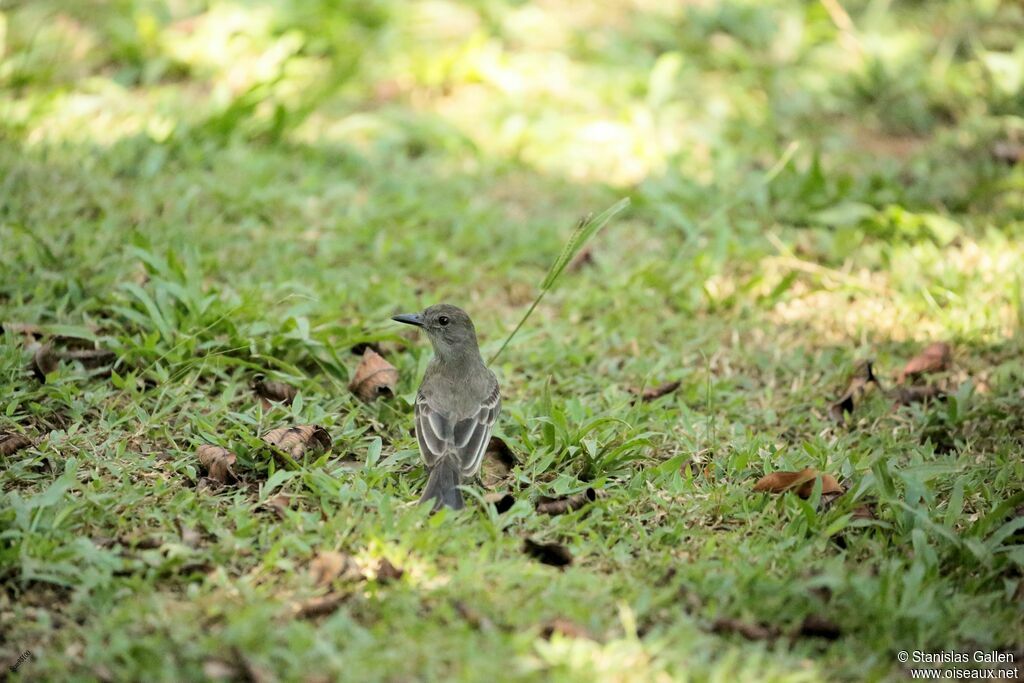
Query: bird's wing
pixel 467 438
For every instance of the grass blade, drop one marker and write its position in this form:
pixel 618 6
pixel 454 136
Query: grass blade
pixel 585 230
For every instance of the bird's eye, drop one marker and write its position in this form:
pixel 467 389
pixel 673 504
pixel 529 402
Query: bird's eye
pixel 443 320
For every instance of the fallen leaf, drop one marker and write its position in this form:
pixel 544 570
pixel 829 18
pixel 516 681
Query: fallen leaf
pixel 12 443
pixel 554 554
pixel 917 394
pixel 502 502
pixel 563 627
pixel 725 626
pixel 815 626
pixel 218 463
pixel 320 606
pixel 44 361
pixel 387 572
pixel 653 393
pixel 330 565
pixel 861 381
pixel 497 463
pixel 802 483
pixel 934 358
pixel 374 377
pixel 297 440
pixel 269 391
pixel 278 504
pixel 560 506
pixel 360 348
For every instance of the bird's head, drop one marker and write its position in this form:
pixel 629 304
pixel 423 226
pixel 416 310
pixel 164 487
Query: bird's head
pixel 449 328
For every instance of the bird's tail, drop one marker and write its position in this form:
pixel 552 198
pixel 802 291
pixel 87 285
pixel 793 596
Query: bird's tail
pixel 443 485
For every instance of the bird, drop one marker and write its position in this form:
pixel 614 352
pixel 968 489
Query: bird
pixel 457 403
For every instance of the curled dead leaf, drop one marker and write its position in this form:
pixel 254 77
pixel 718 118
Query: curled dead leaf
pixel 502 502
pixel 563 627
pixel 560 506
pixel 815 626
pixel 935 357
pixel 294 441
pixel 657 392
pixel 374 377
pixel 862 380
pixel 360 348
pixel 497 463
pixel 330 565
pixel 726 626
pixel 269 390
pixel 802 483
pixel 44 361
pixel 387 572
pixel 12 443
pixel 218 463
pixel 554 554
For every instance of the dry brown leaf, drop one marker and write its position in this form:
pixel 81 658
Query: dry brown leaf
pixel 815 626
pixel 387 572
pixel 278 504
pixel 554 554
pixel 725 626
pixel 218 463
pixel 802 483
pixel 497 463
pixel 502 502
pixel 12 443
pixel 565 628
pixel 374 377
pixel 320 606
pixel 297 440
pixel 330 565
pixel 560 506
pixel 360 348
pixel 653 393
pixel 862 380
pixel 278 392
pixel 44 361
pixel 934 358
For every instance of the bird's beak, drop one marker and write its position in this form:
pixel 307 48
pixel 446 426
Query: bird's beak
pixel 409 319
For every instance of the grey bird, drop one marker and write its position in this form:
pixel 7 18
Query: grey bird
pixel 456 406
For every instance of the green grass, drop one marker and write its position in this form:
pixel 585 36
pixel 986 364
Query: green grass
pixel 219 190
